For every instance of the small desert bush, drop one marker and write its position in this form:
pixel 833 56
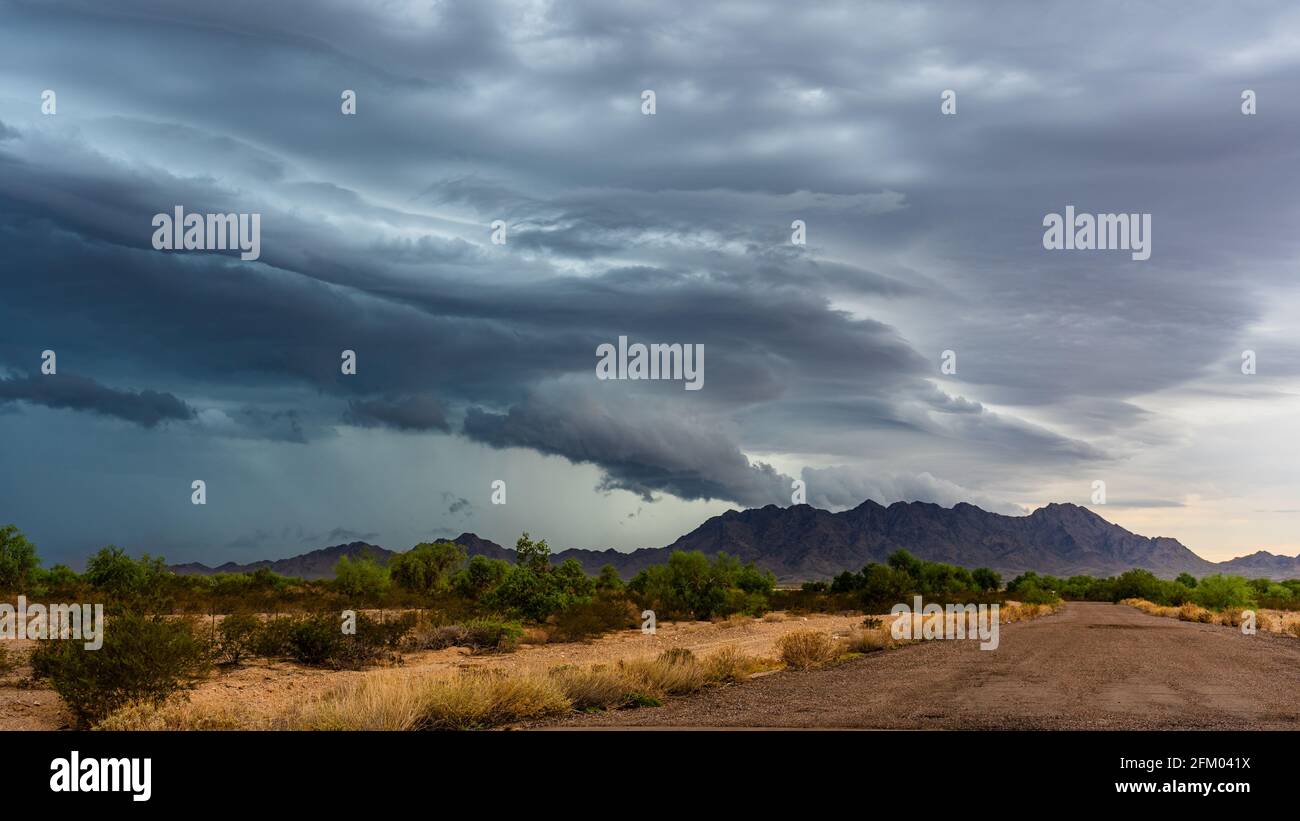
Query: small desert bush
pixel 674 672
pixel 868 640
pixel 237 637
pixel 730 664
pixel 594 688
pixel 381 700
pixel 774 617
pixel 177 714
pixel 1294 627
pixel 589 619
pixel 396 700
pixel 734 620
pixel 479 700
pixel 804 649
pixel 318 640
pixel 480 635
pixel 143 658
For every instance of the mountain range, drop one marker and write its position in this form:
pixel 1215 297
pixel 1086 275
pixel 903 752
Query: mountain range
pixel 803 543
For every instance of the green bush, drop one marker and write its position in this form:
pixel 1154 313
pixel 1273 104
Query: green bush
pixel 480 635
pixel 361 578
pixel 272 640
pixel 143 658
pixel 689 585
pixel 18 560
pixel 318 640
pixel 426 568
pixel 237 637
pixel 1218 592
pixel 589 619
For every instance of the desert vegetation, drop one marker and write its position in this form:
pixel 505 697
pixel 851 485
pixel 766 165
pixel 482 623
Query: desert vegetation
pixel 170 632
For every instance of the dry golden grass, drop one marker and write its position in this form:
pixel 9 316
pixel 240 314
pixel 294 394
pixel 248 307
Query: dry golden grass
pixel 1013 611
pixel 869 640
pixel 477 700
pixel 734 620
pixel 804 649
pixel 774 617
pixel 593 688
pixel 382 700
pixel 730 664
pixel 180 715
pixel 1269 621
pixel 674 673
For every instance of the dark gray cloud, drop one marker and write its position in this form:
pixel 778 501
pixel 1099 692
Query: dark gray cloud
pixel 638 452
pixel 409 413
pixel 145 408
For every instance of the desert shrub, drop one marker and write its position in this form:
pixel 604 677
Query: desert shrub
pixel 478 700
pixel 733 621
pixel 384 634
pixel 1218 592
pixel 1232 617
pixel 314 639
pixel 426 568
pixel 318 640
pixel 533 589
pixel 237 637
pixel 379 700
pixel 177 714
pixel 480 635
pixel 18 562
pixel 689 585
pixel 1295 628
pixel 674 672
pixel 589 619
pixel 868 640
pixel 492 635
pixel 730 664
pixel 272 641
pixel 803 649
pixel 480 577
pixel 361 578
pixel 594 688
pixel 143 658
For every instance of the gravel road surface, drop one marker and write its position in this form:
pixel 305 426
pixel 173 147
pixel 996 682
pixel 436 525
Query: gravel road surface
pixel 1088 666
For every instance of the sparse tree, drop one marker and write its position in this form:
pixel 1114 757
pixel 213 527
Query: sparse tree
pixel 18 559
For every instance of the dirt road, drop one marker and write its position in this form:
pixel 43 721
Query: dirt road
pixel 1089 666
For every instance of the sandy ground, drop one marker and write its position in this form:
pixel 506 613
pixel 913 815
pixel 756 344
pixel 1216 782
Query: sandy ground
pixel 1089 666
pixel 262 688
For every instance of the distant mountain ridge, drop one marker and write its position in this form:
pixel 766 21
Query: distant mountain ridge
pixel 803 543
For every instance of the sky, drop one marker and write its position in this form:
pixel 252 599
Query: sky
pixel 476 362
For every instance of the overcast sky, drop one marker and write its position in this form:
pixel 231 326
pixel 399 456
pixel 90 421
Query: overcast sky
pixel 476 361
